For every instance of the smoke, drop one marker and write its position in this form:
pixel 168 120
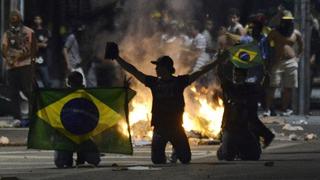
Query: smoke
pixel 146 30
pixel 142 25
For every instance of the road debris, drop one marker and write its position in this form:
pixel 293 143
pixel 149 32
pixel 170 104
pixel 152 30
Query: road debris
pixel 289 127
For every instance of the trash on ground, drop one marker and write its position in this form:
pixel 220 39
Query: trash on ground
pixel 4 140
pixel 5 124
pixel 273 120
pixel 269 163
pixel 115 165
pixel 310 136
pixel 300 122
pixel 289 127
pixel 139 168
pixel 141 143
pixel 293 137
pixel 208 142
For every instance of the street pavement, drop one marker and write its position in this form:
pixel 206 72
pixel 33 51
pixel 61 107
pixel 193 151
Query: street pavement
pixel 282 160
pixel 293 155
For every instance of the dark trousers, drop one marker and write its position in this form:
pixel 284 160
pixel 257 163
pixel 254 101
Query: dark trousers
pixel 255 124
pixel 179 141
pixel 19 79
pixel 43 74
pixel 243 145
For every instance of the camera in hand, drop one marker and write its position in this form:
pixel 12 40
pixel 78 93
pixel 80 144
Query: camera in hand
pixel 112 51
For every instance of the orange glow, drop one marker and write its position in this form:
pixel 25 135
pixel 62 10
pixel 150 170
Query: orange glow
pixel 204 117
pixel 202 112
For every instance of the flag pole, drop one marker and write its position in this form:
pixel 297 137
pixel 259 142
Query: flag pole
pixel 126 84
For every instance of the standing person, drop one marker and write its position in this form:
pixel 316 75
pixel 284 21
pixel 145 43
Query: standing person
pixel 91 155
pixel 167 106
pixel 207 33
pixel 284 63
pixel 42 36
pixel 314 50
pixel 199 44
pixel 71 51
pixel 234 25
pixel 18 50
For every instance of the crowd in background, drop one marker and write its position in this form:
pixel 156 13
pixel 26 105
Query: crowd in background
pixel 202 39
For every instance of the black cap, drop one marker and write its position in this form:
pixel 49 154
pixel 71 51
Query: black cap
pixel 165 61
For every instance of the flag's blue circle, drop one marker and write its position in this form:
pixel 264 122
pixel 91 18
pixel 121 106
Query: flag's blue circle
pixel 244 56
pixel 79 116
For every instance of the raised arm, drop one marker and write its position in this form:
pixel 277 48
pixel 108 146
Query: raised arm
pixel 131 69
pixel 194 76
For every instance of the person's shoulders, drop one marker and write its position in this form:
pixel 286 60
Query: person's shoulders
pixel 70 38
pixel 239 25
pixel 206 33
pixel 183 78
pixel 273 31
pixel 151 77
pixel 5 34
pixel 150 80
pixel 200 36
pixel 273 34
pixel 297 32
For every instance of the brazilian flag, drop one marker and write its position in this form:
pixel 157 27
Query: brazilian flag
pixel 245 55
pixel 81 120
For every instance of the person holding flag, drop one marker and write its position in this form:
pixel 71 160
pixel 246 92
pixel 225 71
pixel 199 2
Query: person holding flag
pixel 63 158
pixel 167 105
pixel 83 120
pixel 241 87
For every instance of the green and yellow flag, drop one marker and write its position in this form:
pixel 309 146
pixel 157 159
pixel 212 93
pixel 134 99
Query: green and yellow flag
pixel 245 55
pixel 81 119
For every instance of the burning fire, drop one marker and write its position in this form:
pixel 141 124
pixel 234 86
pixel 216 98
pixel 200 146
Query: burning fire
pixel 201 116
pixel 203 113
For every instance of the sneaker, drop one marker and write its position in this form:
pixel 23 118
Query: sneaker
pixel 173 159
pixel 79 162
pixel 16 123
pixel 266 113
pixel 287 112
pixel 24 123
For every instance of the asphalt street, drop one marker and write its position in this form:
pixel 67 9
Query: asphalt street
pixel 293 155
pixel 282 160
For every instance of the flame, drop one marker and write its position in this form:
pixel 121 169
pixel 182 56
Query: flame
pixel 140 112
pixel 123 127
pixel 201 115
pixel 206 116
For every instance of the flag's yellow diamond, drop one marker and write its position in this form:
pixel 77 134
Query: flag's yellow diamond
pixel 94 116
pixel 244 56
